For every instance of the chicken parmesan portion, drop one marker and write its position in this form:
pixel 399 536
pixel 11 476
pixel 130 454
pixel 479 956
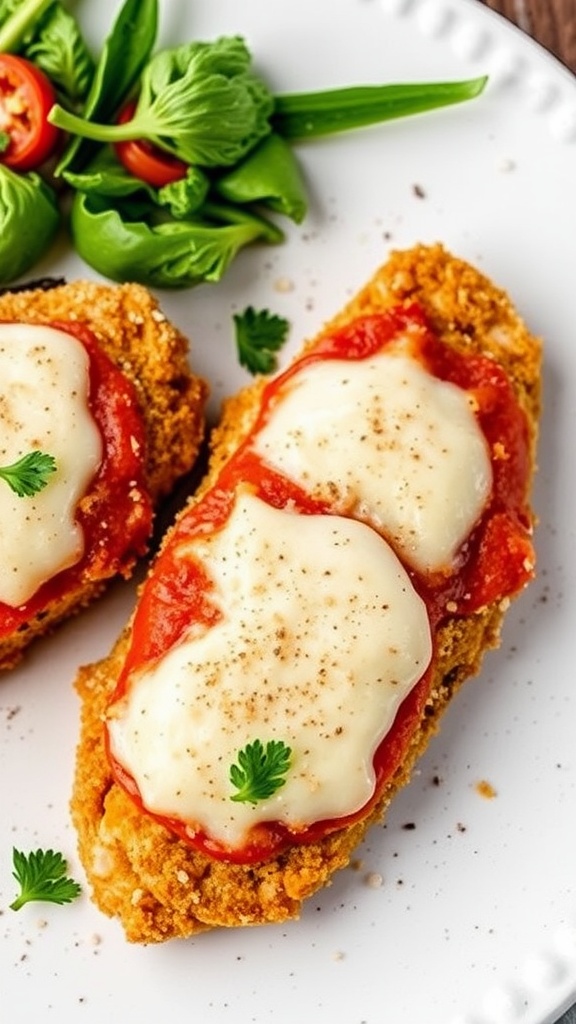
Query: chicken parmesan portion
pixel 342 570
pixel 78 452
pixel 316 572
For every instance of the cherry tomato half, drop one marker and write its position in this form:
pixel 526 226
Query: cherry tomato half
pixel 26 96
pixel 146 161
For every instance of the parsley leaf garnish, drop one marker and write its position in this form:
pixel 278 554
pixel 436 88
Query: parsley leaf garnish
pixel 41 876
pixel 29 474
pixel 260 334
pixel 260 770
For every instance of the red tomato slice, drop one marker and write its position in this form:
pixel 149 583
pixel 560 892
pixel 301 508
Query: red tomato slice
pixel 146 161
pixel 26 97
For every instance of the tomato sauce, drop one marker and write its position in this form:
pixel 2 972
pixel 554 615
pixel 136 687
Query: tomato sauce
pixel 116 527
pixel 496 560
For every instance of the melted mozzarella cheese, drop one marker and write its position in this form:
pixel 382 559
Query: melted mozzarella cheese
pixel 384 439
pixel 44 381
pixel 321 637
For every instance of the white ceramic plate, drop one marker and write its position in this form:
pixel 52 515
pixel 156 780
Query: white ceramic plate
pixel 474 921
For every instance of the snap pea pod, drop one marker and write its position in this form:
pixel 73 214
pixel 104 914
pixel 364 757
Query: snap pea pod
pixel 312 114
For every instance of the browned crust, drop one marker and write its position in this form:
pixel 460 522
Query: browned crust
pixel 134 332
pixel 139 872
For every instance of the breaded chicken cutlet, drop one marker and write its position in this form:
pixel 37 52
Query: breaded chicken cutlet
pixel 109 395
pixel 174 835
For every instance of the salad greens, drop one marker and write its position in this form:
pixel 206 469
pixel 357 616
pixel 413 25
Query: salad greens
pixel 122 243
pixel 105 176
pixel 270 175
pixel 310 115
pixel 45 33
pixel 17 18
pixel 200 105
pixel 57 47
pixel 199 102
pixel 29 220
pixel 124 55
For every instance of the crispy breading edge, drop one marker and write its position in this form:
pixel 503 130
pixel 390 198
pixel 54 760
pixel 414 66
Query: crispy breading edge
pixel 139 872
pixel 153 354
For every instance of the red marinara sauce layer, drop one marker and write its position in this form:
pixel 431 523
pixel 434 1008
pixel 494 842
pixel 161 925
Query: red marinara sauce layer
pixel 116 512
pixel 496 561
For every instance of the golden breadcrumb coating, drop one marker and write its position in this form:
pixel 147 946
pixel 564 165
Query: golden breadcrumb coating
pixel 157 885
pixel 134 332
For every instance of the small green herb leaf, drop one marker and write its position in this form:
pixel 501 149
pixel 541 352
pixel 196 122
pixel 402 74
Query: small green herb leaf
pixel 4 141
pixel 29 474
pixel 259 336
pixel 41 876
pixel 260 770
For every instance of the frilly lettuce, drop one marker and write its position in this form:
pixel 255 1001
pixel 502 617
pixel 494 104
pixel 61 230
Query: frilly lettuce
pixel 29 220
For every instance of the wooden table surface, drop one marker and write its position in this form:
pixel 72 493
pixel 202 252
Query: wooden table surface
pixel 551 22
